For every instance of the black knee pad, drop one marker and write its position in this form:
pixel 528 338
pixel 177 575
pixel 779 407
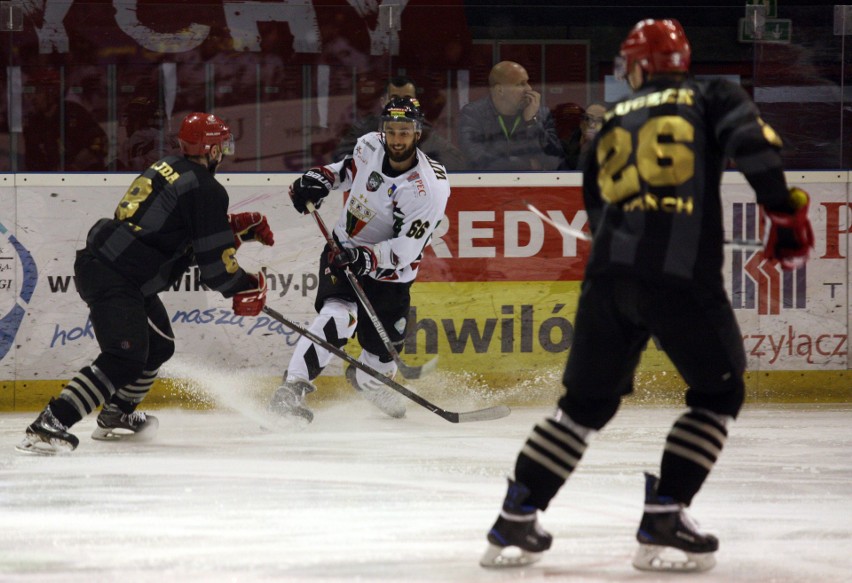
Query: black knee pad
pixel 159 352
pixel 728 400
pixel 120 371
pixel 591 413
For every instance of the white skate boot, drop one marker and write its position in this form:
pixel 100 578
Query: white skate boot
pixel 388 401
pixel 288 400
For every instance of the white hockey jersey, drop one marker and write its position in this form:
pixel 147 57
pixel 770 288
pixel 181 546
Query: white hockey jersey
pixel 393 215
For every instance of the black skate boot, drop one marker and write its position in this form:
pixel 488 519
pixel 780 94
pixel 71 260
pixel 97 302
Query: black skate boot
pixel 517 526
pixel 288 400
pixel 666 525
pixel 115 425
pixel 388 401
pixel 47 436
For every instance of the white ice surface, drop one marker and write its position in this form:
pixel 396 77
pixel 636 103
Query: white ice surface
pixel 357 497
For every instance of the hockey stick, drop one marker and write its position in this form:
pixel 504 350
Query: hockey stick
pixel 409 372
pixel 736 244
pixel 571 231
pixel 487 414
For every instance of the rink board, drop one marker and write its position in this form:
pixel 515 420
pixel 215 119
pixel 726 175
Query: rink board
pixel 495 299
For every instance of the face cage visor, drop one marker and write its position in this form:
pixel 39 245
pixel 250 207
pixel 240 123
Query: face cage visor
pixel 418 127
pixel 227 145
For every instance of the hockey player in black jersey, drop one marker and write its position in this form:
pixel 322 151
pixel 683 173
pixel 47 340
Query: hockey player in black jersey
pixel 174 215
pixel 651 186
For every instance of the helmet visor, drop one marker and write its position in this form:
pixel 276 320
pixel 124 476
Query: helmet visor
pixel 228 147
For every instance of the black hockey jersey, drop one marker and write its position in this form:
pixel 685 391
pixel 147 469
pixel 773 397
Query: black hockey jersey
pixel 173 215
pixel 652 187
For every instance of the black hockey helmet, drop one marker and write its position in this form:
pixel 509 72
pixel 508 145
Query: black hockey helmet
pixel 403 109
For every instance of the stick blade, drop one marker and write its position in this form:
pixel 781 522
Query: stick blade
pixel 487 414
pixel 416 372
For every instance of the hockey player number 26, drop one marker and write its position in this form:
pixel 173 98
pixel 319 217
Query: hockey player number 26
pixel 664 157
pixel 139 190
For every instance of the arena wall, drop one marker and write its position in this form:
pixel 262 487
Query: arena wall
pixel 495 299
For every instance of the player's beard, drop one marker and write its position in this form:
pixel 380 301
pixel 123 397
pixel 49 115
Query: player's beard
pixel 400 156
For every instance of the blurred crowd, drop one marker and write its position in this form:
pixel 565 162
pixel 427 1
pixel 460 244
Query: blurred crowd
pixel 508 128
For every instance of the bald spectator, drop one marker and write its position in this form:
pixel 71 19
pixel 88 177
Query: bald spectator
pixel 509 130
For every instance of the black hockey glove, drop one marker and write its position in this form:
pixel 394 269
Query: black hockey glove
pixel 360 260
pixel 313 186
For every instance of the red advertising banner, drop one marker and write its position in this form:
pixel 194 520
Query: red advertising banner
pixel 491 235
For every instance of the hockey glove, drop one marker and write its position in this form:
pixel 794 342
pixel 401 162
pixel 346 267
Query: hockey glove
pixel 790 235
pixel 313 186
pixel 251 301
pixel 360 260
pixel 250 227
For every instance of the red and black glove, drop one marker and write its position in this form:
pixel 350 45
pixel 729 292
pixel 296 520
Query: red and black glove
pixel 360 260
pixel 250 227
pixel 791 236
pixel 312 186
pixel 251 301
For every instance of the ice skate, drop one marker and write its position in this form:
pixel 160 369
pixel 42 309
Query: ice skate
pixel 668 538
pixel 47 436
pixel 516 539
pixel 289 399
pixel 388 401
pixel 115 425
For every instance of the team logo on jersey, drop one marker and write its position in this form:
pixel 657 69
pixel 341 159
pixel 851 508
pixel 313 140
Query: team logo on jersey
pixel 757 283
pixel 358 214
pixel 374 181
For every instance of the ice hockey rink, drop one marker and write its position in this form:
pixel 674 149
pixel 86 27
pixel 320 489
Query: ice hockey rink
pixel 357 497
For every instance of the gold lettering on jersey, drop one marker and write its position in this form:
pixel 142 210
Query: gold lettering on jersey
pixel 673 95
pixel 229 258
pixel 166 171
pixel 668 204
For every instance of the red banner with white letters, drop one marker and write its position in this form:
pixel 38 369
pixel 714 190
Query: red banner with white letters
pixel 491 235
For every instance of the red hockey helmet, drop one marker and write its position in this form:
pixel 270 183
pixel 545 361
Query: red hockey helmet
pixel 199 131
pixel 659 46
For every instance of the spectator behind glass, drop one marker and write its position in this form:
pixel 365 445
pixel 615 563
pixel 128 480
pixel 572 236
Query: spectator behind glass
pixel 431 143
pixel 509 129
pixel 145 142
pixel 578 144
pixel 85 141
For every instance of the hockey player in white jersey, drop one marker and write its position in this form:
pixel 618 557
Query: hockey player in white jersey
pixel 397 198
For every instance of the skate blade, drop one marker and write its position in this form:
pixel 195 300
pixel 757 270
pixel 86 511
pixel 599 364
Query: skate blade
pixel 33 445
pixel 662 558
pixel 497 557
pixel 283 418
pixel 147 433
pixel 276 422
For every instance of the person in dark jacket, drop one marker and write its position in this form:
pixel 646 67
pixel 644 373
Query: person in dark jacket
pixel 652 190
pixel 174 215
pixel 577 146
pixel 509 129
